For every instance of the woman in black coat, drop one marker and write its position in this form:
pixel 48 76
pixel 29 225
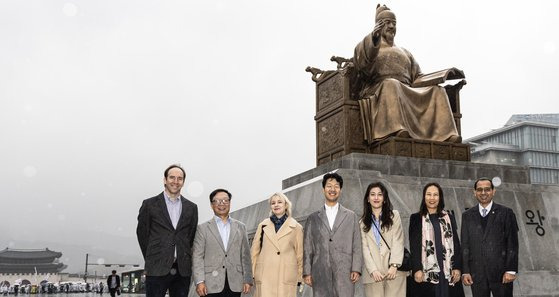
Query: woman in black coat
pixel 435 248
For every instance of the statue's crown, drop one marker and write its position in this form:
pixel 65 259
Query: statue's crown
pixel 383 12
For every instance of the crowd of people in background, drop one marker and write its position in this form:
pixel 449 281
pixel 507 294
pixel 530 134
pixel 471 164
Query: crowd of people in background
pixel 45 287
pixel 333 251
pixel 67 287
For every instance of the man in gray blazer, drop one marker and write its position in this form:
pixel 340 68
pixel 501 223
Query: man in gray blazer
pixel 332 257
pixel 221 262
pixel 166 227
pixel 489 244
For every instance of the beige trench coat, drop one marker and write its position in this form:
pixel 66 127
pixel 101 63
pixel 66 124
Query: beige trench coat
pixel 378 259
pixel 278 266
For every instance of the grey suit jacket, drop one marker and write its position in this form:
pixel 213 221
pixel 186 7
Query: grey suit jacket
pixel 158 238
pixel 210 259
pixel 489 254
pixel 330 256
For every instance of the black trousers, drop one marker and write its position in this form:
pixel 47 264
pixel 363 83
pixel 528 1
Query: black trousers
pixel 431 290
pixel 113 292
pixel 482 288
pixel 226 291
pixel 178 285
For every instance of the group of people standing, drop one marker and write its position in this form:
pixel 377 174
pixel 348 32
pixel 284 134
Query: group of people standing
pixel 333 251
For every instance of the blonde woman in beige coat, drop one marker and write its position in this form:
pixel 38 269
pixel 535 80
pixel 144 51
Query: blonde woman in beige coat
pixel 381 277
pixel 277 251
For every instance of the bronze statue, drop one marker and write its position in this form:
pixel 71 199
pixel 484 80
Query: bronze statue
pixel 395 98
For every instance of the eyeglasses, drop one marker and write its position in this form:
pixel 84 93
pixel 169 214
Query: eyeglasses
pixel 220 201
pixel 481 190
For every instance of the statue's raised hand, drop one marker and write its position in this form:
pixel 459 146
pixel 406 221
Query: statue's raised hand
pixel 378 28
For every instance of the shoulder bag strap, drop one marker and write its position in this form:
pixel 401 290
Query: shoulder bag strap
pixel 380 233
pixel 262 236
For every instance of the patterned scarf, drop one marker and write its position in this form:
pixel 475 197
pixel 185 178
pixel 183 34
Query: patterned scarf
pixel 278 221
pixel 431 267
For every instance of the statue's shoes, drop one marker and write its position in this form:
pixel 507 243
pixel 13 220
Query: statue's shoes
pixel 403 134
pixel 455 139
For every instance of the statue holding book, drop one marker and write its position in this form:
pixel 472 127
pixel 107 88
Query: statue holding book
pixel 395 98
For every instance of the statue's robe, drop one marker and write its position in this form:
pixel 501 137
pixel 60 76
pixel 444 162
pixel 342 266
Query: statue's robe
pixel 389 102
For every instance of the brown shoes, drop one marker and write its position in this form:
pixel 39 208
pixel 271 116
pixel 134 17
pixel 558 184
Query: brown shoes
pixel 454 139
pixel 403 134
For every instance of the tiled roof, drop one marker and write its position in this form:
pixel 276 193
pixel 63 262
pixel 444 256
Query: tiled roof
pixel 28 254
pixel 30 268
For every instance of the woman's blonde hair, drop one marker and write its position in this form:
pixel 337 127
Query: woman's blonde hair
pixel 285 200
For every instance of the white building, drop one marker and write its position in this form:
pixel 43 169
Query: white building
pixel 526 139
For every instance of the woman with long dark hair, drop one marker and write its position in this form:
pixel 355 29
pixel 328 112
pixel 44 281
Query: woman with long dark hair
pixel 435 248
pixel 383 245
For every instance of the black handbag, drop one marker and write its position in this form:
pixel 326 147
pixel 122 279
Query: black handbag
pixel 406 265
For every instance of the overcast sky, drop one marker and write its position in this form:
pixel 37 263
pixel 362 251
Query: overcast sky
pixel 97 97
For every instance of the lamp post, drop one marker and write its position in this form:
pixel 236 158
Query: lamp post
pixel 85 274
pixel 105 264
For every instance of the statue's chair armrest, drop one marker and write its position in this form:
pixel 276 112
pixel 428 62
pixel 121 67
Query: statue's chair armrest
pixel 453 93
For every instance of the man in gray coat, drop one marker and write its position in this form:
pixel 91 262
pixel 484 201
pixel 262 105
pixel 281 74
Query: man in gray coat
pixel 332 257
pixel 221 263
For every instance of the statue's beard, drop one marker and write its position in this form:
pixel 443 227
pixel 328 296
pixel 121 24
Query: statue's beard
pixel 389 36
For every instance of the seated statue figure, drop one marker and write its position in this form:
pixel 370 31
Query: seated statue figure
pixel 395 98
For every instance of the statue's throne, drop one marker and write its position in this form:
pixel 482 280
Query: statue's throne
pixel 339 128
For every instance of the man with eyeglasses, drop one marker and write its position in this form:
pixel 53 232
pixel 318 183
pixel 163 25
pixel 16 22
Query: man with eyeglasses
pixel 221 254
pixel 166 227
pixel 489 244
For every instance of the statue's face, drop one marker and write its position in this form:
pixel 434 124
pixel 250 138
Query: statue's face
pixel 389 29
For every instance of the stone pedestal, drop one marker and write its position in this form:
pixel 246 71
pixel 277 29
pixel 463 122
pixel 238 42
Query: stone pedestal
pixel 405 178
pixel 407 147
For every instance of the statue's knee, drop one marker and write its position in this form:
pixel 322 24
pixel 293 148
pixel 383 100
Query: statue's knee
pixel 390 84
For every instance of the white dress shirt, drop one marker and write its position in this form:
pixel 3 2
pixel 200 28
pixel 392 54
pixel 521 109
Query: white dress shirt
pixel 331 212
pixel 224 230
pixel 488 208
pixel 174 208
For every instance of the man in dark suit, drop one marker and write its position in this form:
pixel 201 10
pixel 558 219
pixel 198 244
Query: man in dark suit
pixel 113 283
pixel 489 244
pixel 166 228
